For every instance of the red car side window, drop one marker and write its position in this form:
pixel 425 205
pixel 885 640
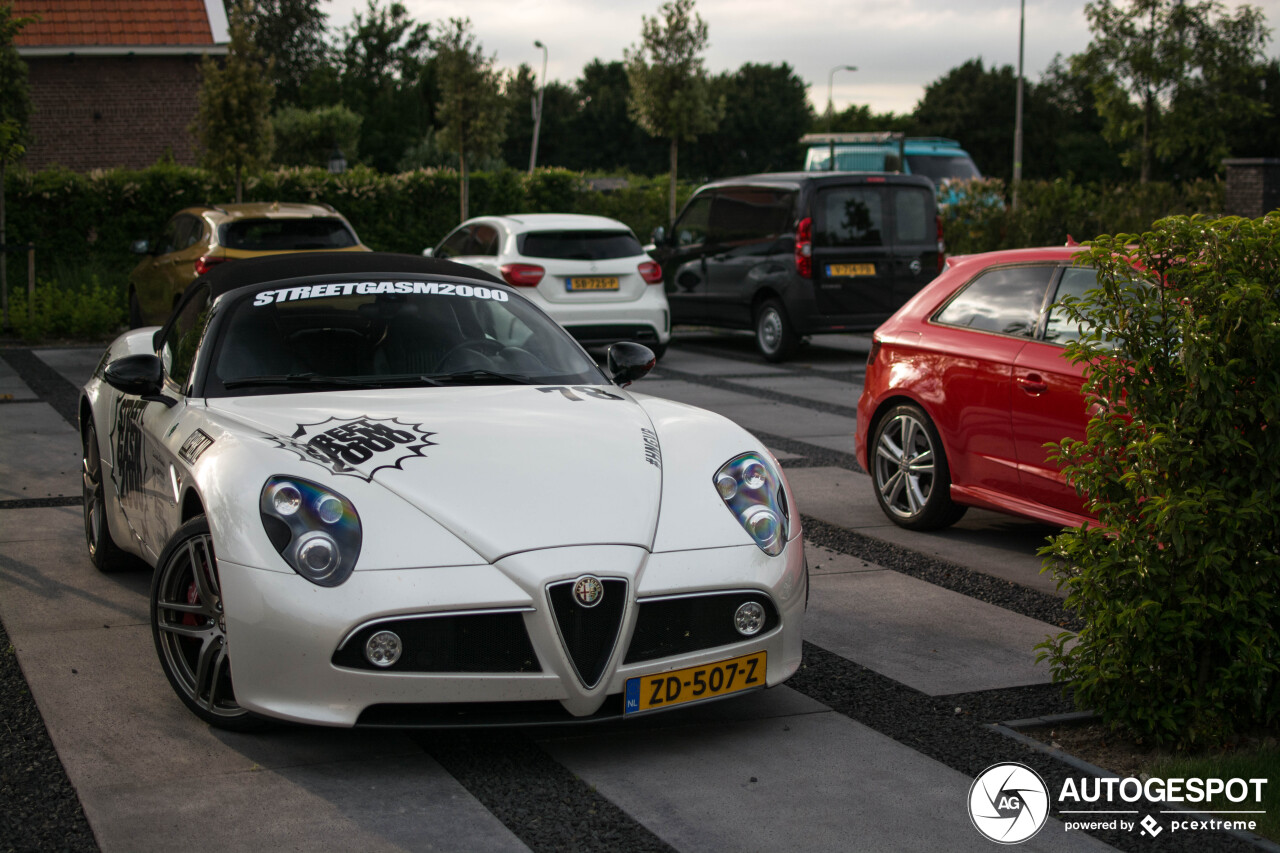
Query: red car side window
pixel 1006 301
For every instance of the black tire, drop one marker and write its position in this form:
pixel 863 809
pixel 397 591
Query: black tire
pixel 776 338
pixel 135 310
pixel 104 553
pixel 909 471
pixel 189 629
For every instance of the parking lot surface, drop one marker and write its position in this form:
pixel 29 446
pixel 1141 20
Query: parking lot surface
pixel 914 642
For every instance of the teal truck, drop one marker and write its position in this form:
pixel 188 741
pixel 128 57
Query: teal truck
pixel 935 157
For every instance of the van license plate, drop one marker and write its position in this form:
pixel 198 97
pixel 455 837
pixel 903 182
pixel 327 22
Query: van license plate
pixel 839 270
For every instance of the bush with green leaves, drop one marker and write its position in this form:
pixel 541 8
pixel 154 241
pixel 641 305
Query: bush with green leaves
pixel 89 311
pixel 1178 583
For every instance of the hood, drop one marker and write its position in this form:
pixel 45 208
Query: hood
pixel 504 468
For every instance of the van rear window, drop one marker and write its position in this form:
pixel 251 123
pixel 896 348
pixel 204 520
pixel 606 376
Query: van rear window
pixel 579 245
pixel 911 210
pixel 285 235
pixel 849 216
pixel 938 168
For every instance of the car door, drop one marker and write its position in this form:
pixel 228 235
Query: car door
pixel 1047 403
pixel 147 435
pixel 684 261
pixel 748 246
pixel 853 272
pixel 972 346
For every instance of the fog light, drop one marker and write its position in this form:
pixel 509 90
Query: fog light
pixel 286 499
pixel 749 619
pixel 383 649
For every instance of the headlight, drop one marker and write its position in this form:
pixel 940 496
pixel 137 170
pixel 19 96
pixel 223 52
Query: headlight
pixel 316 530
pixel 752 490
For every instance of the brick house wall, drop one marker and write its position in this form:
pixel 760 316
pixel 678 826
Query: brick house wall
pixel 1253 186
pixel 91 112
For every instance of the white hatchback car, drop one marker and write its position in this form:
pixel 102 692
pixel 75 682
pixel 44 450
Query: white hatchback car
pixel 589 273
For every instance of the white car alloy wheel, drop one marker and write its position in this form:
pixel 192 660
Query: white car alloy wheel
pixel 189 628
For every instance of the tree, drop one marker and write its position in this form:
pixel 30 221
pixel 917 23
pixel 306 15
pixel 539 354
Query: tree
pixel 471 109
pixel 1151 54
pixel 308 137
pixel 387 77
pixel 605 136
pixel 1065 129
pixel 974 105
pixel 766 111
pixel 15 108
pixel 233 118
pixel 559 110
pixel 290 32
pixel 670 93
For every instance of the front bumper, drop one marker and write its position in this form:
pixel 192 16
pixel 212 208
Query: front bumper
pixel 282 631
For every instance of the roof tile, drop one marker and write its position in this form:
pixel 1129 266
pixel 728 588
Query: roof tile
pixel 69 23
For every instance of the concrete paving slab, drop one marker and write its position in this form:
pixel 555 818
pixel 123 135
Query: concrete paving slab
pixel 404 803
pixel 788 421
pixel 75 364
pixel 843 442
pixel 39 453
pixel 710 365
pixel 692 393
pixel 924 636
pixel 820 389
pixel 989 542
pixel 11 387
pixel 817 782
pixel 48 584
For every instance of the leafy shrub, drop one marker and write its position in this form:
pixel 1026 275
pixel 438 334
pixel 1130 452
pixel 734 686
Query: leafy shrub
pixel 1178 584
pixel 92 311
pixel 308 137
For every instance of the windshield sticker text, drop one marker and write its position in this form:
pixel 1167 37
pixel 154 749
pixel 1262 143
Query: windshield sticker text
pixel 358 447
pixel 365 288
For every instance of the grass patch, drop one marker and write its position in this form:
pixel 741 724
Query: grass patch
pixel 1262 764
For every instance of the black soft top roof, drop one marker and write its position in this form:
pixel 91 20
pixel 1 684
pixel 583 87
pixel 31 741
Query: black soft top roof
pixel 269 268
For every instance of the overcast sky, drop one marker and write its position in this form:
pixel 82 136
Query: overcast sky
pixel 898 46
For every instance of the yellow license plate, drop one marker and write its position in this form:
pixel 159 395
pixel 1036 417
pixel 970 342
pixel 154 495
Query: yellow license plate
pixel 602 282
pixel 835 270
pixel 665 689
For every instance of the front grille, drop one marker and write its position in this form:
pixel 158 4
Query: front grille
pixel 675 626
pixel 482 642
pixel 589 633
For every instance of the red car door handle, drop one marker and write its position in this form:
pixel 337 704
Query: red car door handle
pixel 1032 383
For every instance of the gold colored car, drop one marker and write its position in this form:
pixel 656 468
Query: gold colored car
pixel 198 238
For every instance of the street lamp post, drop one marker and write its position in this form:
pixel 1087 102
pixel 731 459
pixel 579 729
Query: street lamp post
pixel 831 114
pixel 537 109
pixel 1017 121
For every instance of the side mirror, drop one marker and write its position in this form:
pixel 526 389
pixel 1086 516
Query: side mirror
pixel 628 362
pixel 140 247
pixel 139 376
pixel 428 252
pixel 659 236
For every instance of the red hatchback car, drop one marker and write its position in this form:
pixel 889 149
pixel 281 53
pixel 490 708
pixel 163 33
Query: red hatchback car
pixel 967 382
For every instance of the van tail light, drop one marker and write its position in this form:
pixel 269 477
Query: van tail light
pixel 804 248
pixel 651 273
pixel 942 244
pixel 522 275
pixel 204 263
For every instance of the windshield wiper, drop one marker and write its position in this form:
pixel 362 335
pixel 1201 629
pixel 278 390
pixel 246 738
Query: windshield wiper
pixel 465 376
pixel 302 379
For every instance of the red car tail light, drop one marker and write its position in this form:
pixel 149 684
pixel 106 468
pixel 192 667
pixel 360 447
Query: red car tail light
pixel 651 272
pixel 204 263
pixel 522 275
pixel 875 351
pixel 804 248
pixel 942 244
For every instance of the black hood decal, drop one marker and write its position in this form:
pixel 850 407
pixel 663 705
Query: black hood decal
pixel 357 447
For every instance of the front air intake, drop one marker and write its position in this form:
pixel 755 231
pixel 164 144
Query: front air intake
pixel 589 633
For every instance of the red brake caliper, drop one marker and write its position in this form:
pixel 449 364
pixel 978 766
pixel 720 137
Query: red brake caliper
pixel 193 597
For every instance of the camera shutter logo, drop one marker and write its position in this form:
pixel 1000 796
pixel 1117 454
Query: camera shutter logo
pixel 1008 803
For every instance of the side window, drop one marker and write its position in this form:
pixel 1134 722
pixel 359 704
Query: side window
pixel 849 216
pixel 1006 301
pixel 484 240
pixel 1075 282
pixel 182 338
pixel 452 245
pixel 749 214
pixel 191 231
pixel 691 228
pixel 171 238
pixel 911 216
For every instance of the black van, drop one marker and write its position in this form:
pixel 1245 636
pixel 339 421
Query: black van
pixel 792 254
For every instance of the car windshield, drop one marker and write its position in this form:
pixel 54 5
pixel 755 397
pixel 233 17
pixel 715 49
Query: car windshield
pixel 942 168
pixel 283 235
pixel 345 334
pixel 579 245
